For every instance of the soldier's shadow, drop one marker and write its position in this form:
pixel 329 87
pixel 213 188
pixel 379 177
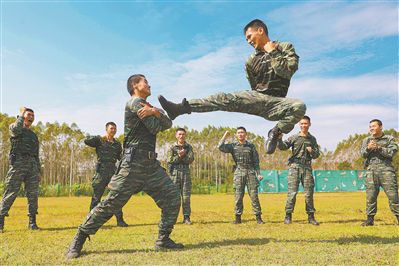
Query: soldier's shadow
pixel 105 227
pixel 363 239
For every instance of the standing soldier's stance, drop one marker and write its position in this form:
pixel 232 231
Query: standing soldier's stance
pixel 246 172
pixel 269 71
pixel 139 170
pixel 24 167
pixel 304 148
pixel 378 150
pixel 180 156
pixel 108 151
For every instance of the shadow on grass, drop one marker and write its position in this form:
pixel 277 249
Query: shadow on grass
pixel 362 239
pixel 345 221
pixel 106 227
pixel 230 242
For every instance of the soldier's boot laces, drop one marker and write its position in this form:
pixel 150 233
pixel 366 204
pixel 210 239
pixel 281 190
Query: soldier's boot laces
pixel 272 139
pixel 32 223
pixel 1 224
pixel 259 219
pixel 369 221
pixel 187 220
pixel 312 220
pixel 164 242
pixel 120 222
pixel 76 246
pixel 288 218
pixel 174 109
pixel 237 220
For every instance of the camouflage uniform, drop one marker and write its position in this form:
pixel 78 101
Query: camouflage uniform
pixel 180 173
pixel 246 173
pixel 380 172
pixel 108 153
pixel 269 75
pixel 300 169
pixel 24 167
pixel 138 171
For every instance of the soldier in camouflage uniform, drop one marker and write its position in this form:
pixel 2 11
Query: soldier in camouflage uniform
pixel 378 150
pixel 304 148
pixel 180 156
pixel 139 170
pixel 247 172
pixel 108 151
pixel 24 167
pixel 269 71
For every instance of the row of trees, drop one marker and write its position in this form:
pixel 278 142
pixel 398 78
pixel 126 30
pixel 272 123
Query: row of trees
pixel 66 160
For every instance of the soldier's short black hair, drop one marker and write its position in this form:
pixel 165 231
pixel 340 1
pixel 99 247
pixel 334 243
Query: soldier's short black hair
pixel 110 124
pixel 306 117
pixel 29 110
pixel 180 129
pixel 256 23
pixel 133 80
pixel 376 120
pixel 243 128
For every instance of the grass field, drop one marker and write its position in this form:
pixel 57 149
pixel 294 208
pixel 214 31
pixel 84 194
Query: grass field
pixel 212 239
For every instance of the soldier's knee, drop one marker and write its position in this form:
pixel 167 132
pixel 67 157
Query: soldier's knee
pixel 299 108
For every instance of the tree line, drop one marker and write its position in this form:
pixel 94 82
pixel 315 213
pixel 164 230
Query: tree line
pixel 67 161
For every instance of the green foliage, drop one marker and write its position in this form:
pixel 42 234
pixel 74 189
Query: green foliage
pixel 345 165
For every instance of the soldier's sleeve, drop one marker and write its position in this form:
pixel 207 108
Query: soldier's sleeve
pixel 16 127
pixel 225 147
pixel 364 150
pixel 249 73
pixel 172 156
pixel 390 149
pixel 189 158
pixel 284 144
pixel 155 124
pixel 255 159
pixel 315 149
pixel 93 141
pixel 284 60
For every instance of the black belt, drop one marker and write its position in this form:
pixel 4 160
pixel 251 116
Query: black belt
pixel 181 166
pixel 300 161
pixel 151 155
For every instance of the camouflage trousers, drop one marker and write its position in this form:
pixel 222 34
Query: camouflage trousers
pixel 99 184
pixel 24 169
pixel 142 174
pixel 182 179
pixel 287 111
pixel 246 177
pixel 381 176
pixel 300 174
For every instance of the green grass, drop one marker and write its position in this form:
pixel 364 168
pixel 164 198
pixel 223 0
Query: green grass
pixel 339 240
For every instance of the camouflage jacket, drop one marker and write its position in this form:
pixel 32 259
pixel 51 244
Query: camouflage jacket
pixel 142 132
pixel 270 73
pixel 298 145
pixel 23 141
pixel 107 151
pixel 381 156
pixel 244 155
pixel 173 157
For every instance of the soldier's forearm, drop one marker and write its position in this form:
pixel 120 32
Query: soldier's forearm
pixel 16 127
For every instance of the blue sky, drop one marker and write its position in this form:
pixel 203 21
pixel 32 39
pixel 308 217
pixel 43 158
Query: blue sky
pixel 69 60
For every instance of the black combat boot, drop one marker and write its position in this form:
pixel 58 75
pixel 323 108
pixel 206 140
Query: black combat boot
pixel 32 222
pixel 164 242
pixel 237 220
pixel 119 220
pixel 369 221
pixel 1 224
pixel 187 220
pixel 288 218
pixel 76 246
pixel 312 220
pixel 174 109
pixel 259 219
pixel 272 139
